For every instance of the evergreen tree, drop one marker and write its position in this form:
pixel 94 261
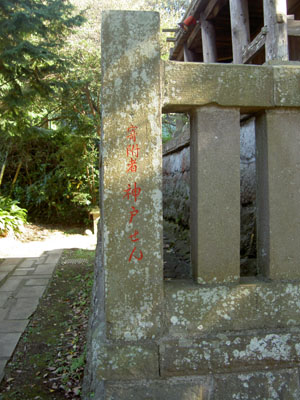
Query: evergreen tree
pixel 31 32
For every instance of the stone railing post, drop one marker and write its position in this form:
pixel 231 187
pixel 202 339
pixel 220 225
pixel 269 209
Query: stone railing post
pixel 278 193
pixel 131 209
pixel 215 194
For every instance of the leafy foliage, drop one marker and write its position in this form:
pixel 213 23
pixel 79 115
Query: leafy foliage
pixel 50 100
pixel 49 118
pixel 12 217
pixel 30 34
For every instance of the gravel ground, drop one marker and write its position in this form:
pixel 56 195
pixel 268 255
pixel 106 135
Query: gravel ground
pixel 35 239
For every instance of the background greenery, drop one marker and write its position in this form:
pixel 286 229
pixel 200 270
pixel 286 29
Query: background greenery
pixel 50 106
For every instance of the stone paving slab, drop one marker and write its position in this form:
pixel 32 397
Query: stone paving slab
pixel 7 268
pixel 22 282
pixel 13 326
pixel 37 282
pixel 10 285
pixel 23 271
pixel 36 277
pixel 10 261
pixel 23 308
pixel 45 268
pixel 27 263
pixel 3 275
pixel 3 297
pixel 8 342
pixel 3 313
pixel 53 258
pixel 35 291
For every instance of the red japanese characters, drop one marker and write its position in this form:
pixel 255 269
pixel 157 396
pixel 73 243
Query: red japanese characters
pixel 133 191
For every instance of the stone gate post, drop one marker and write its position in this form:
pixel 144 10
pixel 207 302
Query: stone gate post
pixel 130 277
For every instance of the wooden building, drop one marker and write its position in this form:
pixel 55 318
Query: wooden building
pixel 239 32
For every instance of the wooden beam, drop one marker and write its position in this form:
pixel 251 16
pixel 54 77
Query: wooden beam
pixel 196 31
pixel 240 31
pixel 171 39
pixel 254 47
pixel 275 19
pixel 293 27
pixel 170 30
pixel 209 46
pixel 187 54
pixel 194 9
pixel 213 8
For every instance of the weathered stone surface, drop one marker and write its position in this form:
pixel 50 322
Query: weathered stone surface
pixel 267 385
pixel 3 312
pixel 9 326
pixel 3 275
pixel 167 389
pixel 248 233
pixel 278 305
pixel 128 292
pixel 215 194
pixel 34 291
pixel 176 186
pixel 22 271
pixel 46 269
pixel 278 195
pixel 230 352
pixel 127 362
pixel 287 85
pixel 131 98
pixel 9 261
pixel 177 253
pixel 3 297
pixel 36 282
pixel 187 85
pixel 27 263
pixel 7 267
pixel 10 285
pixel 23 308
pixel 249 87
pixel 53 257
pixel 192 311
pixel 196 329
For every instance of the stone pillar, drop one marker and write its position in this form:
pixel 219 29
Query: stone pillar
pixel 128 292
pixel 215 194
pixel 278 193
pixel 131 174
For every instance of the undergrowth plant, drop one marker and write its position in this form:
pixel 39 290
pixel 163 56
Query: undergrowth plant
pixel 12 217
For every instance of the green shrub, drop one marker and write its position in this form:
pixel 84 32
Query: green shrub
pixel 12 217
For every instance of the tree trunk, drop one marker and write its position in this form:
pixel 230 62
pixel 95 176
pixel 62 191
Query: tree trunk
pixel 16 176
pixel 3 168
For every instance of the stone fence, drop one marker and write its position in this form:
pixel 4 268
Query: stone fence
pixel 218 335
pixel 176 183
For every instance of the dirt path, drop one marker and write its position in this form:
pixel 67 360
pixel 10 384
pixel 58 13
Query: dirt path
pixel 37 238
